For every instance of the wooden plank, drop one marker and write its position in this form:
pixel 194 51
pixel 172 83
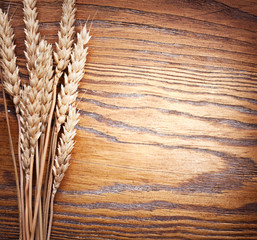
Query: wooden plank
pixel 166 144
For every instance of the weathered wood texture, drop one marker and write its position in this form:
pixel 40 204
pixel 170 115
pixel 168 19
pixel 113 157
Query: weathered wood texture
pixel 167 141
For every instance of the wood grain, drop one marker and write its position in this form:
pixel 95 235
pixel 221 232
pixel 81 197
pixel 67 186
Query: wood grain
pixel 167 141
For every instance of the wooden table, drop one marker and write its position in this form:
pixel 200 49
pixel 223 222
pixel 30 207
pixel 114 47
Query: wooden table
pixel 167 140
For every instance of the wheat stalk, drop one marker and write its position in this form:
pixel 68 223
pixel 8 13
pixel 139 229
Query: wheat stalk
pixel 62 158
pixel 44 71
pixel 31 99
pixel 62 58
pixel 64 45
pixel 11 84
pixel 25 156
pixel 32 94
pixel 20 202
pixel 37 99
pixel 25 144
pixel 35 66
pixel 66 99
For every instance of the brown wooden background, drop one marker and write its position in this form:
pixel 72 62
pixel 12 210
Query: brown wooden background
pixel 167 141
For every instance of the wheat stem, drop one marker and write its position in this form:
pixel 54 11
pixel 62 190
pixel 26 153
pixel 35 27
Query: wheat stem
pixel 42 164
pixel 13 159
pixel 37 171
pixel 50 180
pixel 21 179
pixel 47 175
pixel 27 208
pixel 30 189
pixel 51 217
pixel 41 216
pixel 62 157
pixel 39 226
pixel 46 186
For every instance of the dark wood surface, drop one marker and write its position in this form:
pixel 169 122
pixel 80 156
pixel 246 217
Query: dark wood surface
pixel 167 141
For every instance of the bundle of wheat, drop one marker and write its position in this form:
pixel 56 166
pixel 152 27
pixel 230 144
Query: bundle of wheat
pixel 40 110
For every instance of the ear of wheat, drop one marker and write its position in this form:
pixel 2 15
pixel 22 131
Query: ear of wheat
pixel 38 111
pixel 65 146
pixel 8 60
pixel 31 32
pixel 65 36
pixel 69 90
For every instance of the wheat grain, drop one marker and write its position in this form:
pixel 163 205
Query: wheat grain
pixel 65 146
pixel 65 36
pixel 25 146
pixel 44 62
pixel 8 60
pixel 25 156
pixel 31 32
pixel 31 98
pixel 43 73
pixel 37 96
pixel 30 123
pixel 68 92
